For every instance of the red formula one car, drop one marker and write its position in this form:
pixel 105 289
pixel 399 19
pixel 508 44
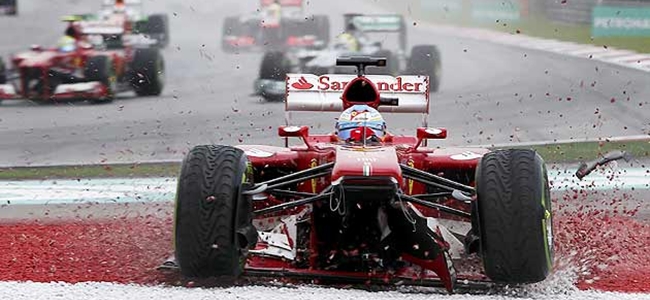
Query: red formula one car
pixel 92 62
pixel 278 25
pixel 363 208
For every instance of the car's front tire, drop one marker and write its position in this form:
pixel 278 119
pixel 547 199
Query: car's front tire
pixel 148 72
pixel 213 219
pixel 514 216
pixel 425 60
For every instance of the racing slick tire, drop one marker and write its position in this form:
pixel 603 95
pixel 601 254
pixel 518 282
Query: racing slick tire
pixel 392 64
pixel 514 216
pixel 275 67
pixel 212 217
pixel 3 72
pixel 231 26
pixel 102 69
pixel 148 72
pixel 425 60
pixel 157 26
pixel 14 5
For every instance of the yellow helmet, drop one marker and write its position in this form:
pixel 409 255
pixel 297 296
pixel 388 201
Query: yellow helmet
pixel 347 41
pixel 67 44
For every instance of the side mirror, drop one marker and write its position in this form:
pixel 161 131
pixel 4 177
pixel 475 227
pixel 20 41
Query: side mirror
pixel 36 48
pixel 431 133
pixel 424 134
pixel 293 131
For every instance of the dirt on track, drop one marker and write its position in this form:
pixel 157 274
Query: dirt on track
pixel 603 250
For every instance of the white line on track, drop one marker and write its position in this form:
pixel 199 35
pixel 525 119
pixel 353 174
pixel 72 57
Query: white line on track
pixel 122 190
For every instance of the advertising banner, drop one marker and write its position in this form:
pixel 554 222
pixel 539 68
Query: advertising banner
pixel 620 21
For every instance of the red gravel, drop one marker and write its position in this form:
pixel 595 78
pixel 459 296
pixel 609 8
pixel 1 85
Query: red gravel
pixel 123 251
pixel 611 252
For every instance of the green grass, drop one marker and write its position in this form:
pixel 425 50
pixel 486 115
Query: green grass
pixel 585 151
pixel 534 25
pixel 541 27
pixel 570 152
pixel 92 171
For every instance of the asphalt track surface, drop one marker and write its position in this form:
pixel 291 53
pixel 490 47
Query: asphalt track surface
pixel 489 94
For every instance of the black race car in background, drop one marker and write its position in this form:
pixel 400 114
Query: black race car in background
pixel 280 26
pixel 9 7
pixel 378 35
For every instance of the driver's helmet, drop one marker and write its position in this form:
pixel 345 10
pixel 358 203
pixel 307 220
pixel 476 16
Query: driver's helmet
pixel 360 121
pixel 67 44
pixel 347 41
pixel 351 27
pixel 119 7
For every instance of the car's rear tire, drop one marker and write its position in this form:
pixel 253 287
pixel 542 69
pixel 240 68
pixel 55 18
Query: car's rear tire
pixel 148 72
pixel 392 64
pixel 213 218
pixel 157 26
pixel 101 68
pixel 14 5
pixel 514 216
pixel 425 60
pixel 275 66
pixel 3 72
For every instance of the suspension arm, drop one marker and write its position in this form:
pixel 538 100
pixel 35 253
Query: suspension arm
pixel 439 181
pixel 292 204
pixel 437 206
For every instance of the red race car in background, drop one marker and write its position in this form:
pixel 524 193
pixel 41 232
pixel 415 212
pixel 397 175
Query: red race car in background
pixel 94 61
pixel 277 24
pixel 386 210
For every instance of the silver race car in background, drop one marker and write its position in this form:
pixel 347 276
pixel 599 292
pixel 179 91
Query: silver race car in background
pixel 377 35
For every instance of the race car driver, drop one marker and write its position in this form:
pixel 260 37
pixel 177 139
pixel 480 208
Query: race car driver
pixel 361 123
pixel 67 44
pixel 352 39
pixel 273 13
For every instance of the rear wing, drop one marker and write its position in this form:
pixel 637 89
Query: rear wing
pixel 379 23
pixel 307 92
pixel 90 24
pixel 297 3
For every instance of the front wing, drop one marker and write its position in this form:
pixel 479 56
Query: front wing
pixel 84 90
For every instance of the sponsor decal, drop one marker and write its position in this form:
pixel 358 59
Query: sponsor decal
pixel 338 83
pixel 467 155
pixel 302 84
pixel 409 182
pixel 620 21
pixel 325 83
pixel 253 152
pixel 313 164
